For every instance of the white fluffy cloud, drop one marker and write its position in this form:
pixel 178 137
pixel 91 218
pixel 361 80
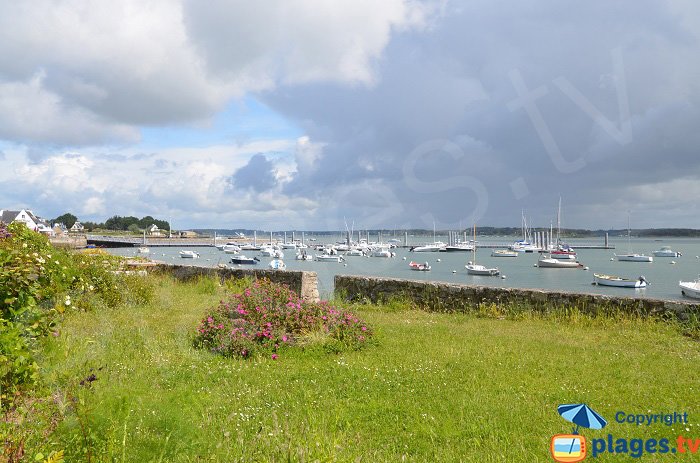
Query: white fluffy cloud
pixel 81 72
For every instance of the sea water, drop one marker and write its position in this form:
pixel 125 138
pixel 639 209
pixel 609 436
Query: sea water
pixel 519 272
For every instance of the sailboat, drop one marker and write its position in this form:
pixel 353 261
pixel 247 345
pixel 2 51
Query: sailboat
pixel 561 251
pixel 630 256
pixel 476 269
pixel 525 244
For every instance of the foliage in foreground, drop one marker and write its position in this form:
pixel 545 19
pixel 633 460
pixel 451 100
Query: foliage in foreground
pixel 38 283
pixel 268 317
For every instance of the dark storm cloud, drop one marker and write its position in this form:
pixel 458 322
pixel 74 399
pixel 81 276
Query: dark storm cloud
pixel 258 175
pixel 459 85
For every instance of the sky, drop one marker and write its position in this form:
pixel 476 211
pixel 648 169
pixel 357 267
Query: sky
pixel 309 114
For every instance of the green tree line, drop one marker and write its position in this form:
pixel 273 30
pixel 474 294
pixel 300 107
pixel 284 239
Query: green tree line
pixel 129 223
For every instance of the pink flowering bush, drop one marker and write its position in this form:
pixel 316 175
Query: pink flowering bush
pixel 266 318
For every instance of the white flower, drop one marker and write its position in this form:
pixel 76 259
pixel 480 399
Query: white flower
pixel 91 287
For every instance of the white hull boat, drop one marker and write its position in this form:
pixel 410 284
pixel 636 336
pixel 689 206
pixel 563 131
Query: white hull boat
pixel 304 256
pixel 277 264
pixel 250 247
pixel 354 253
pixel 548 262
pixel 189 254
pixel 478 269
pixel 329 258
pixel 288 246
pixel 381 253
pixel 504 253
pixel 666 251
pixel 690 288
pixel 633 258
pixel 435 247
pixel 619 282
pixel 231 249
pixel 143 250
pixel 419 267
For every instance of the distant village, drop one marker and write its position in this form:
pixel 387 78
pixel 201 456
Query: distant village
pixel 68 224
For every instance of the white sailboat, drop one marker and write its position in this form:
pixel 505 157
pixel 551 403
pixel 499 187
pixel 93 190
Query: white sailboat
pixel 630 256
pixel 476 269
pixel 525 244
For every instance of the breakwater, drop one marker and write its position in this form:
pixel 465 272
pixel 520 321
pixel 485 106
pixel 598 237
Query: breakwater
pixel 449 297
pixel 304 283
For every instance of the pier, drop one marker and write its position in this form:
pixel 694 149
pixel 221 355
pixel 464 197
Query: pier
pixel 135 241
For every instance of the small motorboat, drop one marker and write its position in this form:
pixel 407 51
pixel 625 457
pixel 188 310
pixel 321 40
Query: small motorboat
pixel 189 254
pixel 243 260
pixel 303 256
pixel 548 262
pixel 690 288
pixel 354 253
pixel 143 250
pixel 618 282
pixel 329 258
pixel 381 252
pixel 277 264
pixel 419 267
pixel 666 251
pixel 478 269
pixel 434 247
pixel 250 247
pixel 504 253
pixel 460 247
pixel 634 258
pixel 231 248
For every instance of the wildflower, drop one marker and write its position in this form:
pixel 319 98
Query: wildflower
pixel 274 356
pixel 284 338
pixel 364 328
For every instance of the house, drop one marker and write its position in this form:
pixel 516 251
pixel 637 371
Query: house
pixel 77 227
pixel 60 229
pixel 28 218
pixel 153 230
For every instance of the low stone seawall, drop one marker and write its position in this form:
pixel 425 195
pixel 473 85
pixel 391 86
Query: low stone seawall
pixel 449 297
pixel 304 283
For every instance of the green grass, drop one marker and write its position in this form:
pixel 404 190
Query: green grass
pixel 434 387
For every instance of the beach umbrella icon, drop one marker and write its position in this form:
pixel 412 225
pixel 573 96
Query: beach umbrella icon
pixel 581 415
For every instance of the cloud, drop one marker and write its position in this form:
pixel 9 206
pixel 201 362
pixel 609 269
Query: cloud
pixel 258 175
pixel 454 86
pixel 80 73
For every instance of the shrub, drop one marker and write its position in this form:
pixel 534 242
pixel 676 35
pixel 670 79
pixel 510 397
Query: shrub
pixel 39 282
pixel 267 317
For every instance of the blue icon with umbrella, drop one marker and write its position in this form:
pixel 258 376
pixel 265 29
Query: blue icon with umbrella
pixel 581 415
pixel 571 448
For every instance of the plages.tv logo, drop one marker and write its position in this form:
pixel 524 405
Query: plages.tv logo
pixel 570 448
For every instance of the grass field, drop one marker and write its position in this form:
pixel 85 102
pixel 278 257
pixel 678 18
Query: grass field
pixel 433 387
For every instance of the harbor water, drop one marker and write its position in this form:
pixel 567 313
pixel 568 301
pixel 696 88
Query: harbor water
pixel 663 274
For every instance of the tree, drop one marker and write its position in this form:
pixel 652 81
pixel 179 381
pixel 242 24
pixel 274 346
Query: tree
pixel 66 219
pixel 134 228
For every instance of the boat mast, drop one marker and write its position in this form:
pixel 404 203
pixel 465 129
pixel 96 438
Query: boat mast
pixel 474 247
pixel 559 222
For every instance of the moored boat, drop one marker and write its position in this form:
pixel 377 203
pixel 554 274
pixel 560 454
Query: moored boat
pixel 143 250
pixel 504 253
pixel 277 264
pixel 690 288
pixel 243 260
pixel 633 258
pixel 477 269
pixel 548 262
pixel 189 254
pixel 666 251
pixel 619 282
pixel 419 267
pixel 329 258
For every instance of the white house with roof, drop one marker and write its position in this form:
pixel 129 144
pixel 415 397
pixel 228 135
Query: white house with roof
pixel 77 227
pixel 153 230
pixel 28 218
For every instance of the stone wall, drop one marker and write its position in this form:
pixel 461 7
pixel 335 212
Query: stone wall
pixel 449 297
pixel 304 283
